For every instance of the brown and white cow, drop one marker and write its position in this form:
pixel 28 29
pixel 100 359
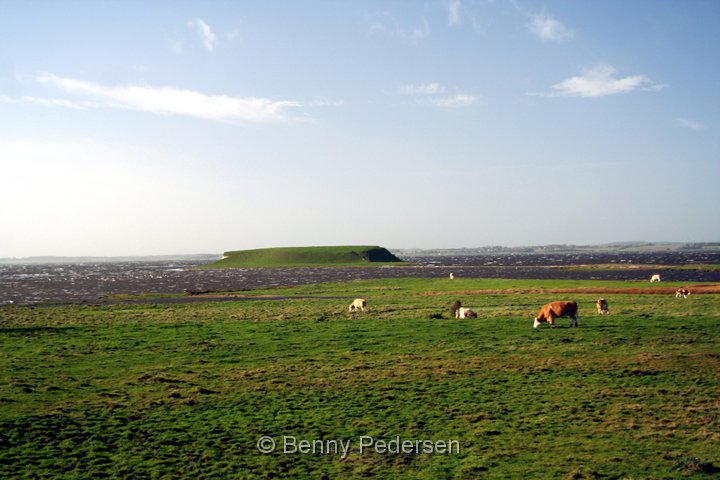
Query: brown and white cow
pixel 602 306
pixel 551 311
pixel 682 292
pixel 358 304
pixel 463 312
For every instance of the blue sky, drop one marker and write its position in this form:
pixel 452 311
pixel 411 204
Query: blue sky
pixel 131 128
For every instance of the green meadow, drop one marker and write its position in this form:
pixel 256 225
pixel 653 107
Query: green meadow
pixel 164 391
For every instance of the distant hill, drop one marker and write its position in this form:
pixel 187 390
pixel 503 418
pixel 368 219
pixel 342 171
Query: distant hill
pixel 306 256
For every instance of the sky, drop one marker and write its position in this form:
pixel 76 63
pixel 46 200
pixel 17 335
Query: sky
pixel 178 127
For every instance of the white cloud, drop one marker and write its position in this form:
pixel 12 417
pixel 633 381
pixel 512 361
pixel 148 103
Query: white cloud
pixel 422 89
pixel 172 101
pixel 430 94
pixel 325 102
pixel 48 102
pixel 232 35
pixel 548 28
pixel 454 12
pixel 208 37
pixel 691 124
pixel 378 27
pixel 386 24
pixel 177 46
pixel 455 101
pixel 601 81
pixel 54 102
pixel 420 32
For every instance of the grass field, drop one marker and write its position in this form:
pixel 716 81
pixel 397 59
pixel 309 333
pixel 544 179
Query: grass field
pixel 186 391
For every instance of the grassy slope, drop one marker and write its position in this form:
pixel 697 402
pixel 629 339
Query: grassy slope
pixel 152 391
pixel 305 256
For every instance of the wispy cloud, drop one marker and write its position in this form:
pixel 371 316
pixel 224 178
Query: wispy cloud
pixel 548 28
pixel 208 37
pixel 455 101
pixel 422 89
pixel 325 102
pixel 418 33
pixel 169 101
pixel 691 124
pixel 47 102
pixel 54 102
pixel 454 12
pixel 601 81
pixel 433 94
pixel 386 24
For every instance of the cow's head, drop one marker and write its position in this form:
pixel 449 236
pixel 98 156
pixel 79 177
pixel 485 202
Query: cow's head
pixel 536 323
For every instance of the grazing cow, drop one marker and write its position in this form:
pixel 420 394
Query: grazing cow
pixel 682 292
pixel 551 311
pixel 358 304
pixel 602 306
pixel 655 278
pixel 463 312
pixel 452 276
pixel 454 308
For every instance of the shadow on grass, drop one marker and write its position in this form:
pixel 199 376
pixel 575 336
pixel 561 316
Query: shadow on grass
pixel 584 326
pixel 33 331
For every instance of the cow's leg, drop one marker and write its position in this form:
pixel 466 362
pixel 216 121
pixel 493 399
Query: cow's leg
pixel 574 321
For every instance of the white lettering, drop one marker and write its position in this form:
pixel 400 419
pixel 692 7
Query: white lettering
pixel 289 442
pixel 345 448
pixel 367 443
pixel 304 446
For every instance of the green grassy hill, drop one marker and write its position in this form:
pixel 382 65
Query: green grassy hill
pixel 306 256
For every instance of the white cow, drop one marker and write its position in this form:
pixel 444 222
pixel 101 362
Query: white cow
pixel 358 304
pixel 452 276
pixel 463 312
pixel 655 278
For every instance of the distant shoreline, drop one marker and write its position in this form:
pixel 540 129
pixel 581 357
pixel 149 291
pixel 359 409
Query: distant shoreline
pixel 32 284
pixel 202 257
pixel 609 248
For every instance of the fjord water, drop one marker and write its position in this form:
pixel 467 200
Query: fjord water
pixel 91 282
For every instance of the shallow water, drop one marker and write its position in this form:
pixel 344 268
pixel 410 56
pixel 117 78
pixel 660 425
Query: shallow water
pixel 91 282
